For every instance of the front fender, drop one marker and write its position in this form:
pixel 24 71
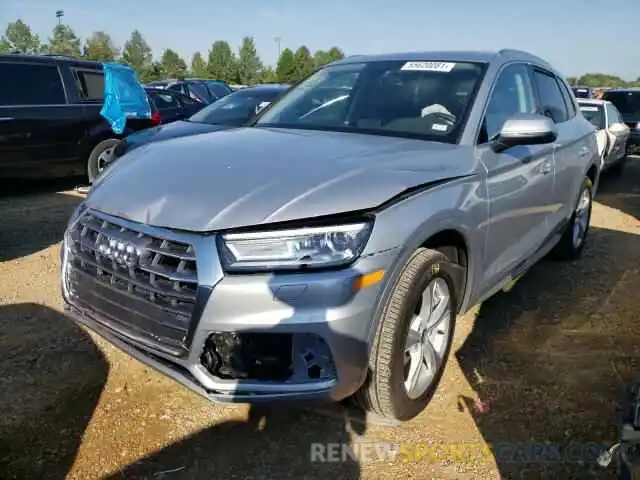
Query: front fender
pixel 460 206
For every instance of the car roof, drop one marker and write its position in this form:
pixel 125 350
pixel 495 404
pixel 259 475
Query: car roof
pixel 51 59
pixel 623 89
pixel 264 86
pixel 447 55
pixel 593 101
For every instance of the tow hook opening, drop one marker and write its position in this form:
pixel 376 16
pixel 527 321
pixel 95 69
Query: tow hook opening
pixel 275 357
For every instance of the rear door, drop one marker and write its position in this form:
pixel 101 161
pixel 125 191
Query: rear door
pixel 39 128
pixel 573 147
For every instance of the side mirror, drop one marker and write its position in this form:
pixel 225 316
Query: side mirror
pixel 525 129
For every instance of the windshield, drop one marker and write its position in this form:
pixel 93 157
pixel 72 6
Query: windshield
pixel 593 113
pixel 428 100
pixel 235 108
pixel 627 102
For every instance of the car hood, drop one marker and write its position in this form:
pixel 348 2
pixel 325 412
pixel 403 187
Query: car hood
pixel 176 129
pixel 253 176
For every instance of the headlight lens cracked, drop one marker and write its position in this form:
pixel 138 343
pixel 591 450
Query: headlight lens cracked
pixel 315 247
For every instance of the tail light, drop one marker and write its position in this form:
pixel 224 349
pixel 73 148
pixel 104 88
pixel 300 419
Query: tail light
pixel 155 118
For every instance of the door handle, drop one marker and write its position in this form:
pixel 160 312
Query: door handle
pixel 584 151
pixel 6 119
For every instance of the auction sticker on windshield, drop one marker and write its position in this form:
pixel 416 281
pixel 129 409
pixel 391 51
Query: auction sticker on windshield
pixel 428 66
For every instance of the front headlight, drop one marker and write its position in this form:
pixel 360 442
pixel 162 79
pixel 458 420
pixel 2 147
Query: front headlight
pixel 315 247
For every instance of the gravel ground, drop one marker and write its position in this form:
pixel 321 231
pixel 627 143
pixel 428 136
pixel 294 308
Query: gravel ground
pixel 546 363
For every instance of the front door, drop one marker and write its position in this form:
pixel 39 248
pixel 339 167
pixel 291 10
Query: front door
pixel 519 181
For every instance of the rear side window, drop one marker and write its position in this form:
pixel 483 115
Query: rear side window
pixel 90 84
pixel 30 84
pixel 176 87
pixel 568 99
pixel 218 90
pixel 188 100
pixel 164 100
pixel 200 92
pixel 551 102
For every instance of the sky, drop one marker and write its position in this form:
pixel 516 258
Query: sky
pixel 575 36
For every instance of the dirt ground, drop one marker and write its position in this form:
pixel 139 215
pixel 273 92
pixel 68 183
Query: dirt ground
pixel 549 361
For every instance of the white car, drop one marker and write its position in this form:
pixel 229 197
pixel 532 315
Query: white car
pixel 612 133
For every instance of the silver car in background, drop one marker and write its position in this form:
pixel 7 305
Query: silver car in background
pixel 327 249
pixel 612 134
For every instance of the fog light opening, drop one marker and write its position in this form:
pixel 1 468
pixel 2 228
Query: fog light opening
pixel 249 356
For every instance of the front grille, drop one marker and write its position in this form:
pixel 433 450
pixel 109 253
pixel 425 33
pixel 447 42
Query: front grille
pixel 145 285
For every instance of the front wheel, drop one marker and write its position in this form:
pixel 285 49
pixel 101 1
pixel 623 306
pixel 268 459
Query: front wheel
pixel 100 157
pixel 413 339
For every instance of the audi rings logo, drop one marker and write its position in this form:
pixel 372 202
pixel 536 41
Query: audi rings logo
pixel 123 253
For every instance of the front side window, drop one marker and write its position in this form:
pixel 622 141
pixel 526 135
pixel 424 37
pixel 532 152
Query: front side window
pixel 417 99
pixel 30 84
pixel 91 84
pixel 551 102
pixel 512 94
pixel 594 114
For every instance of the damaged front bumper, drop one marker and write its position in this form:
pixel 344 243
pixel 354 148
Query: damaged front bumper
pixel 250 338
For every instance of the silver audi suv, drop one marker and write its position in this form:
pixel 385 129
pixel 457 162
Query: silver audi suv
pixel 325 250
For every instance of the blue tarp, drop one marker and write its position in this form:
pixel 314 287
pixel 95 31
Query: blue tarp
pixel 124 97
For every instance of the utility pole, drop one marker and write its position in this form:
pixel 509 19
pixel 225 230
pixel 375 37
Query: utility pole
pixel 59 15
pixel 278 40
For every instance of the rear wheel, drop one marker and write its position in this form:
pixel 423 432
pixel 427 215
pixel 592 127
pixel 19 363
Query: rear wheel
pixel 413 339
pixel 99 157
pixel 574 238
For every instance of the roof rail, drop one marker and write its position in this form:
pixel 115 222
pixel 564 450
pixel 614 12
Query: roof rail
pixel 522 53
pixel 61 55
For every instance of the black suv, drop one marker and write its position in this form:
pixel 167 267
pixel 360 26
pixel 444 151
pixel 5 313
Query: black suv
pixel 627 101
pixel 582 92
pixel 202 90
pixel 50 123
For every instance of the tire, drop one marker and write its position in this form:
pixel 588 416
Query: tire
pixel 96 157
pixel 568 249
pixel 384 392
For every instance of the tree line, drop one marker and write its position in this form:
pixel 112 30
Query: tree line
pixel 220 62
pixel 602 80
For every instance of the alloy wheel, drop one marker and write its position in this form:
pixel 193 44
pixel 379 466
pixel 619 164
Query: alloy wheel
pixel 428 338
pixel 581 220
